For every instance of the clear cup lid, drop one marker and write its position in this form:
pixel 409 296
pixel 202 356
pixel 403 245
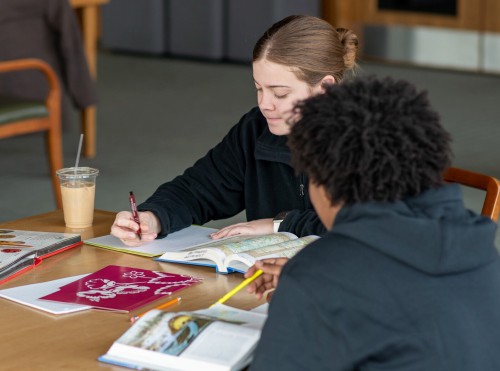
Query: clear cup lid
pixel 77 173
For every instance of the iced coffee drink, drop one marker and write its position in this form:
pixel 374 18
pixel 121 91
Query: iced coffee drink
pixel 78 193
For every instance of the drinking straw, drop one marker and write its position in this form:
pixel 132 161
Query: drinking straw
pixel 78 153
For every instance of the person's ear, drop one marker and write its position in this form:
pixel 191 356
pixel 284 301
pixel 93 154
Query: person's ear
pixel 324 195
pixel 326 210
pixel 327 80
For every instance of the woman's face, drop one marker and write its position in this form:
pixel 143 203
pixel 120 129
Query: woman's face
pixel 278 89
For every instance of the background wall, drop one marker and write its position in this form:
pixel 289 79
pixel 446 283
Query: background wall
pixel 469 39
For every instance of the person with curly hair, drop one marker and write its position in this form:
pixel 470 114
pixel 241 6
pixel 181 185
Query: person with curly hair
pixel 250 168
pixel 406 278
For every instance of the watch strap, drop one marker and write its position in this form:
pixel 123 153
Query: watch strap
pixel 278 219
pixel 276 225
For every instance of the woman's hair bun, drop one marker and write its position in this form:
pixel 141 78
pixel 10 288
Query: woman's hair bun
pixel 350 42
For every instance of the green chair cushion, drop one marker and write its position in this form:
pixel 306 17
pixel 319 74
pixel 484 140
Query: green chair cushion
pixel 17 109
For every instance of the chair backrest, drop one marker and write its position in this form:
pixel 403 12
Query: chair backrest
pixel 489 184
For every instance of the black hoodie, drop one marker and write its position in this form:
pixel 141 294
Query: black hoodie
pixel 248 170
pixel 412 285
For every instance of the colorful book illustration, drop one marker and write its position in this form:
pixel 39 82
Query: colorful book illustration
pixel 22 250
pixel 121 288
pixel 237 254
pixel 219 338
pixel 29 295
pixel 193 235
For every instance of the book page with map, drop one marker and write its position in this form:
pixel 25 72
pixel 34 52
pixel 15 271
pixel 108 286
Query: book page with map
pixel 242 261
pixel 215 254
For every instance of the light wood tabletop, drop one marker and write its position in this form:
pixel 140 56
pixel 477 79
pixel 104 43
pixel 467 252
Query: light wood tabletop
pixel 35 340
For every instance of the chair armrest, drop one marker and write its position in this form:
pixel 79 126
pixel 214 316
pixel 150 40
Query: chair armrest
pixel 53 98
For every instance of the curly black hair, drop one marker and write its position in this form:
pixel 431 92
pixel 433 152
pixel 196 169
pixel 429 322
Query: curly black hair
pixel 370 139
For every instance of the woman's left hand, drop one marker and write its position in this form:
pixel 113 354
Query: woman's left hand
pixel 260 226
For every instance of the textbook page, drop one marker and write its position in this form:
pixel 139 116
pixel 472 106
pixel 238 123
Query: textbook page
pixel 261 309
pixel 187 237
pixel 215 252
pixel 29 295
pixel 221 344
pixel 253 319
pixel 240 262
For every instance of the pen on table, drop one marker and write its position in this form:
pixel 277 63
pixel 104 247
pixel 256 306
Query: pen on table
pixel 238 288
pixel 135 214
pixel 162 306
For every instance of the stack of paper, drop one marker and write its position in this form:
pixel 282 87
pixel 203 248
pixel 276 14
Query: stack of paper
pixel 29 295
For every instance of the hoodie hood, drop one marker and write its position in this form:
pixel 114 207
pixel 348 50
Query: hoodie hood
pixel 432 232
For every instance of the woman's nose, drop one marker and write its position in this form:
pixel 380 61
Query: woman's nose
pixel 266 101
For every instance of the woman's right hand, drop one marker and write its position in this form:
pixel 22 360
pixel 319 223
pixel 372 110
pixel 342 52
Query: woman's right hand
pixel 125 228
pixel 269 280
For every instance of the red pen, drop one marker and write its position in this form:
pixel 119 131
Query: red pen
pixel 135 214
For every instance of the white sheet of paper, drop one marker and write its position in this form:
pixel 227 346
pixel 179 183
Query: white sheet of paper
pixel 177 241
pixel 29 294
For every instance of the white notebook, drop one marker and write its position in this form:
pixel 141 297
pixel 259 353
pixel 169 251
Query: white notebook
pixel 29 294
pixel 177 241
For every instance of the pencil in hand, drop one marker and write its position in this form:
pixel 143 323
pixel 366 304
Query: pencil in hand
pixel 238 288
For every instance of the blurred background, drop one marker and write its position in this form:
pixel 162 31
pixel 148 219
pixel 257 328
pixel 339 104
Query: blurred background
pixel 172 76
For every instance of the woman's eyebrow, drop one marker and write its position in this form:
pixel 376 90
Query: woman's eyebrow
pixel 273 86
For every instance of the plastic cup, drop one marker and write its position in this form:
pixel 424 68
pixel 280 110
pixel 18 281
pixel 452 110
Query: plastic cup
pixel 78 194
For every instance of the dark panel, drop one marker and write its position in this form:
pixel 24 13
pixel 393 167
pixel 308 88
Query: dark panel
pixel 445 7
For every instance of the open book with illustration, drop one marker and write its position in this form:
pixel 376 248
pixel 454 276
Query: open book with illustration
pixel 218 338
pixel 238 253
pixel 23 250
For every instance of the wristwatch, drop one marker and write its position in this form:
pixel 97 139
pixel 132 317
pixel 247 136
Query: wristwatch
pixel 278 219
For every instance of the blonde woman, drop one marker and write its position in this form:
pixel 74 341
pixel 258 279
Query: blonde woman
pixel 250 168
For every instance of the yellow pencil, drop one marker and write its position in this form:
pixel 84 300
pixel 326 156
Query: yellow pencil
pixel 238 288
pixel 162 306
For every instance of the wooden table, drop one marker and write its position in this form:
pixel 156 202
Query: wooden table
pixel 35 340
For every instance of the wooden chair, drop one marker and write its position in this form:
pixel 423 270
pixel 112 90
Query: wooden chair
pixel 49 31
pixel 21 116
pixel 491 205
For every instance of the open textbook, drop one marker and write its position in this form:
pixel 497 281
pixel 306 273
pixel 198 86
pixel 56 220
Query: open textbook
pixel 238 253
pixel 23 250
pixel 217 338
